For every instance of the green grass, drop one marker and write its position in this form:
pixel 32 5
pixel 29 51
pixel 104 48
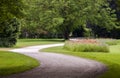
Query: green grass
pixel 86 47
pixel 32 42
pixel 112 59
pixel 112 42
pixel 11 63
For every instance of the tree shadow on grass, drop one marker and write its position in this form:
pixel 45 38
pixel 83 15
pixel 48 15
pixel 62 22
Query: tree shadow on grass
pixel 14 70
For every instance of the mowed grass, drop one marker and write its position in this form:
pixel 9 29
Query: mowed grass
pixel 112 59
pixel 11 63
pixel 32 42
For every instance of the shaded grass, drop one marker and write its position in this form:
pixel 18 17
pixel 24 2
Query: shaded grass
pixel 11 63
pixel 110 59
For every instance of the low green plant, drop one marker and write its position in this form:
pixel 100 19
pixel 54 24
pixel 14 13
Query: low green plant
pixel 109 41
pixel 83 47
pixel 112 42
pixel 9 32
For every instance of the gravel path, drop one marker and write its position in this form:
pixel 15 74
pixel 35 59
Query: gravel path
pixel 55 65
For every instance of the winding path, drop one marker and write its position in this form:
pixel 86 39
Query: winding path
pixel 58 65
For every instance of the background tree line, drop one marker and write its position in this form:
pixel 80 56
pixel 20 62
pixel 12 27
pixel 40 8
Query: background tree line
pixel 62 18
pixel 58 18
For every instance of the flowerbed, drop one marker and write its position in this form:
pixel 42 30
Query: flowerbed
pixel 86 45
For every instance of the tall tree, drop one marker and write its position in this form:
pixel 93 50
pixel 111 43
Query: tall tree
pixel 66 15
pixel 69 14
pixel 10 9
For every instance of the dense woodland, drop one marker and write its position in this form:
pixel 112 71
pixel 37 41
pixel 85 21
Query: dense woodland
pixel 58 19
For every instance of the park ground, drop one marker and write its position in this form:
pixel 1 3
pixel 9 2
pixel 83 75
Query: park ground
pixel 11 63
pixel 110 59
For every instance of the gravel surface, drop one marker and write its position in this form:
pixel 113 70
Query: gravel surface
pixel 53 65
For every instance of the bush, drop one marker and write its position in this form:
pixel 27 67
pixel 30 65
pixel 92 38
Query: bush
pixel 109 41
pixel 112 42
pixel 89 46
pixel 9 33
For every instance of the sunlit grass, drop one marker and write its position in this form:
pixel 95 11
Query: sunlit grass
pixel 11 63
pixel 110 59
pixel 32 42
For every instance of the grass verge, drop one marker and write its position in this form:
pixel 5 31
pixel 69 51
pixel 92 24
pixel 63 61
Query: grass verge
pixel 110 59
pixel 31 42
pixel 11 63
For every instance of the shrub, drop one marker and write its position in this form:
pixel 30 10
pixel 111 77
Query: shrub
pixel 86 46
pixel 9 32
pixel 109 41
pixel 112 42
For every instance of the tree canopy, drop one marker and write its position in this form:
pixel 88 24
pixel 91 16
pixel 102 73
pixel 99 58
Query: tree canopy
pixel 66 15
pixel 10 9
pixel 10 12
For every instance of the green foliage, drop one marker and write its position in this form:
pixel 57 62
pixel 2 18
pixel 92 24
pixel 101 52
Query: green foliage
pixel 10 9
pixel 106 17
pixel 83 47
pixel 65 16
pixel 118 10
pixel 111 42
pixel 38 20
pixel 87 32
pixel 9 32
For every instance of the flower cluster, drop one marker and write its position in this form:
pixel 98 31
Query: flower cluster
pixel 86 45
pixel 85 41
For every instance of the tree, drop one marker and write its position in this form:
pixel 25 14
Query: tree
pixel 106 21
pixel 69 14
pixel 10 9
pixel 64 16
pixel 10 12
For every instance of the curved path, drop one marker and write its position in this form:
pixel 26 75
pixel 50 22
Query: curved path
pixel 58 65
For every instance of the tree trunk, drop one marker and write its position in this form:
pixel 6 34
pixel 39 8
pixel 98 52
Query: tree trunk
pixel 66 35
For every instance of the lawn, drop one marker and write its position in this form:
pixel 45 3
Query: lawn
pixel 32 42
pixel 112 59
pixel 11 63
